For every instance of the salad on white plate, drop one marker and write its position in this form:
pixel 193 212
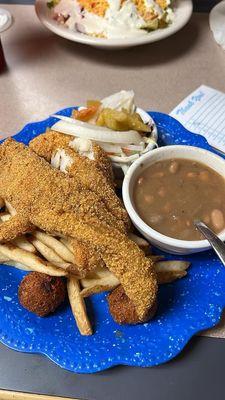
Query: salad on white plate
pixel 111 19
pixel 116 124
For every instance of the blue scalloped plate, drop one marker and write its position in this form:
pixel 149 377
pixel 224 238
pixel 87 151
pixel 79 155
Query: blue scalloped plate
pixel 185 307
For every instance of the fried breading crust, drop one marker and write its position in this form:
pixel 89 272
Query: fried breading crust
pixel 90 173
pixel 121 255
pixel 123 310
pixel 45 145
pixel 103 163
pixel 50 200
pixel 41 294
pixel 95 175
pixel 22 169
pixel 86 258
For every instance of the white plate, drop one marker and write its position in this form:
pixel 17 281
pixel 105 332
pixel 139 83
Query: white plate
pixel 183 11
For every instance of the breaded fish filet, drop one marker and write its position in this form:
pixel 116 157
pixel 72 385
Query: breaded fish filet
pixel 48 199
pixel 50 141
pixel 88 172
pixel 94 174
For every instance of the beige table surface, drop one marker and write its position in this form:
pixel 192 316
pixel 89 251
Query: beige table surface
pixel 46 73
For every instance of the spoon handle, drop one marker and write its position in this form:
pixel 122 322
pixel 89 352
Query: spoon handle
pixel 213 239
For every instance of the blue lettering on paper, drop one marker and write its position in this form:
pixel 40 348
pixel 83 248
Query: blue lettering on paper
pixel 191 102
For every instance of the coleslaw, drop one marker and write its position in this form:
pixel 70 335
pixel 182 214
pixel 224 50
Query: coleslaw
pixel 123 147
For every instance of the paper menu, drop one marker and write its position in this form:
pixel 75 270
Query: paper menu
pixel 203 112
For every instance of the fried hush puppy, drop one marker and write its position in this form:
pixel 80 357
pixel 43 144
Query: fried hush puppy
pixel 41 294
pixel 123 310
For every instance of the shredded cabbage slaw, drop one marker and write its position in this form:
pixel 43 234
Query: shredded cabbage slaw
pixel 122 147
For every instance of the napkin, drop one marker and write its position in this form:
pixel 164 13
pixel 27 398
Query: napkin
pixel 203 112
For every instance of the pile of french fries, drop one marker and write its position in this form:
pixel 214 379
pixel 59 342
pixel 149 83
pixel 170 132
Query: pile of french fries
pixel 47 254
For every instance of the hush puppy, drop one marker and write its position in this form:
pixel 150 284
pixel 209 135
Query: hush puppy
pixel 41 293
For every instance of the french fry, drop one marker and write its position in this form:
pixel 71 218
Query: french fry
pixel 103 285
pixel 4 216
pixel 155 258
pixel 142 243
pixel 17 265
pixel 169 276
pixel 30 260
pixel 10 208
pixel 169 271
pixel 99 272
pixel 67 243
pixel 24 244
pixel 108 280
pixel 102 279
pixel 100 285
pixel 96 290
pixel 3 258
pixel 171 266
pixel 78 306
pixel 51 256
pixel 56 245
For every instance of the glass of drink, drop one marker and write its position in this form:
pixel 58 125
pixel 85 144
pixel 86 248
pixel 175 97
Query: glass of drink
pixel 5 23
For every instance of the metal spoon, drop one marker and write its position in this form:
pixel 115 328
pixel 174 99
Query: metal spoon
pixel 213 239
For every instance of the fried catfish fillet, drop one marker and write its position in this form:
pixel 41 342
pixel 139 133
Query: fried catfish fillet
pixel 24 175
pixel 94 174
pixel 46 144
pixel 46 198
pixel 121 256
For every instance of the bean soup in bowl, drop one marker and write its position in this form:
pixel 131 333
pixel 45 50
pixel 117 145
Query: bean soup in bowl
pixel 166 190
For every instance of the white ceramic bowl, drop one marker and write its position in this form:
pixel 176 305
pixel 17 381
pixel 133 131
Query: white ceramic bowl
pixel 183 12
pixel 174 246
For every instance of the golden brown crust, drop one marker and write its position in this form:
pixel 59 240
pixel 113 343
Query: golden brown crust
pixel 45 144
pixel 85 257
pixel 41 293
pixel 103 163
pixel 14 227
pixel 122 309
pixel 58 204
pixel 95 175
pixel 121 255
pixel 27 181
